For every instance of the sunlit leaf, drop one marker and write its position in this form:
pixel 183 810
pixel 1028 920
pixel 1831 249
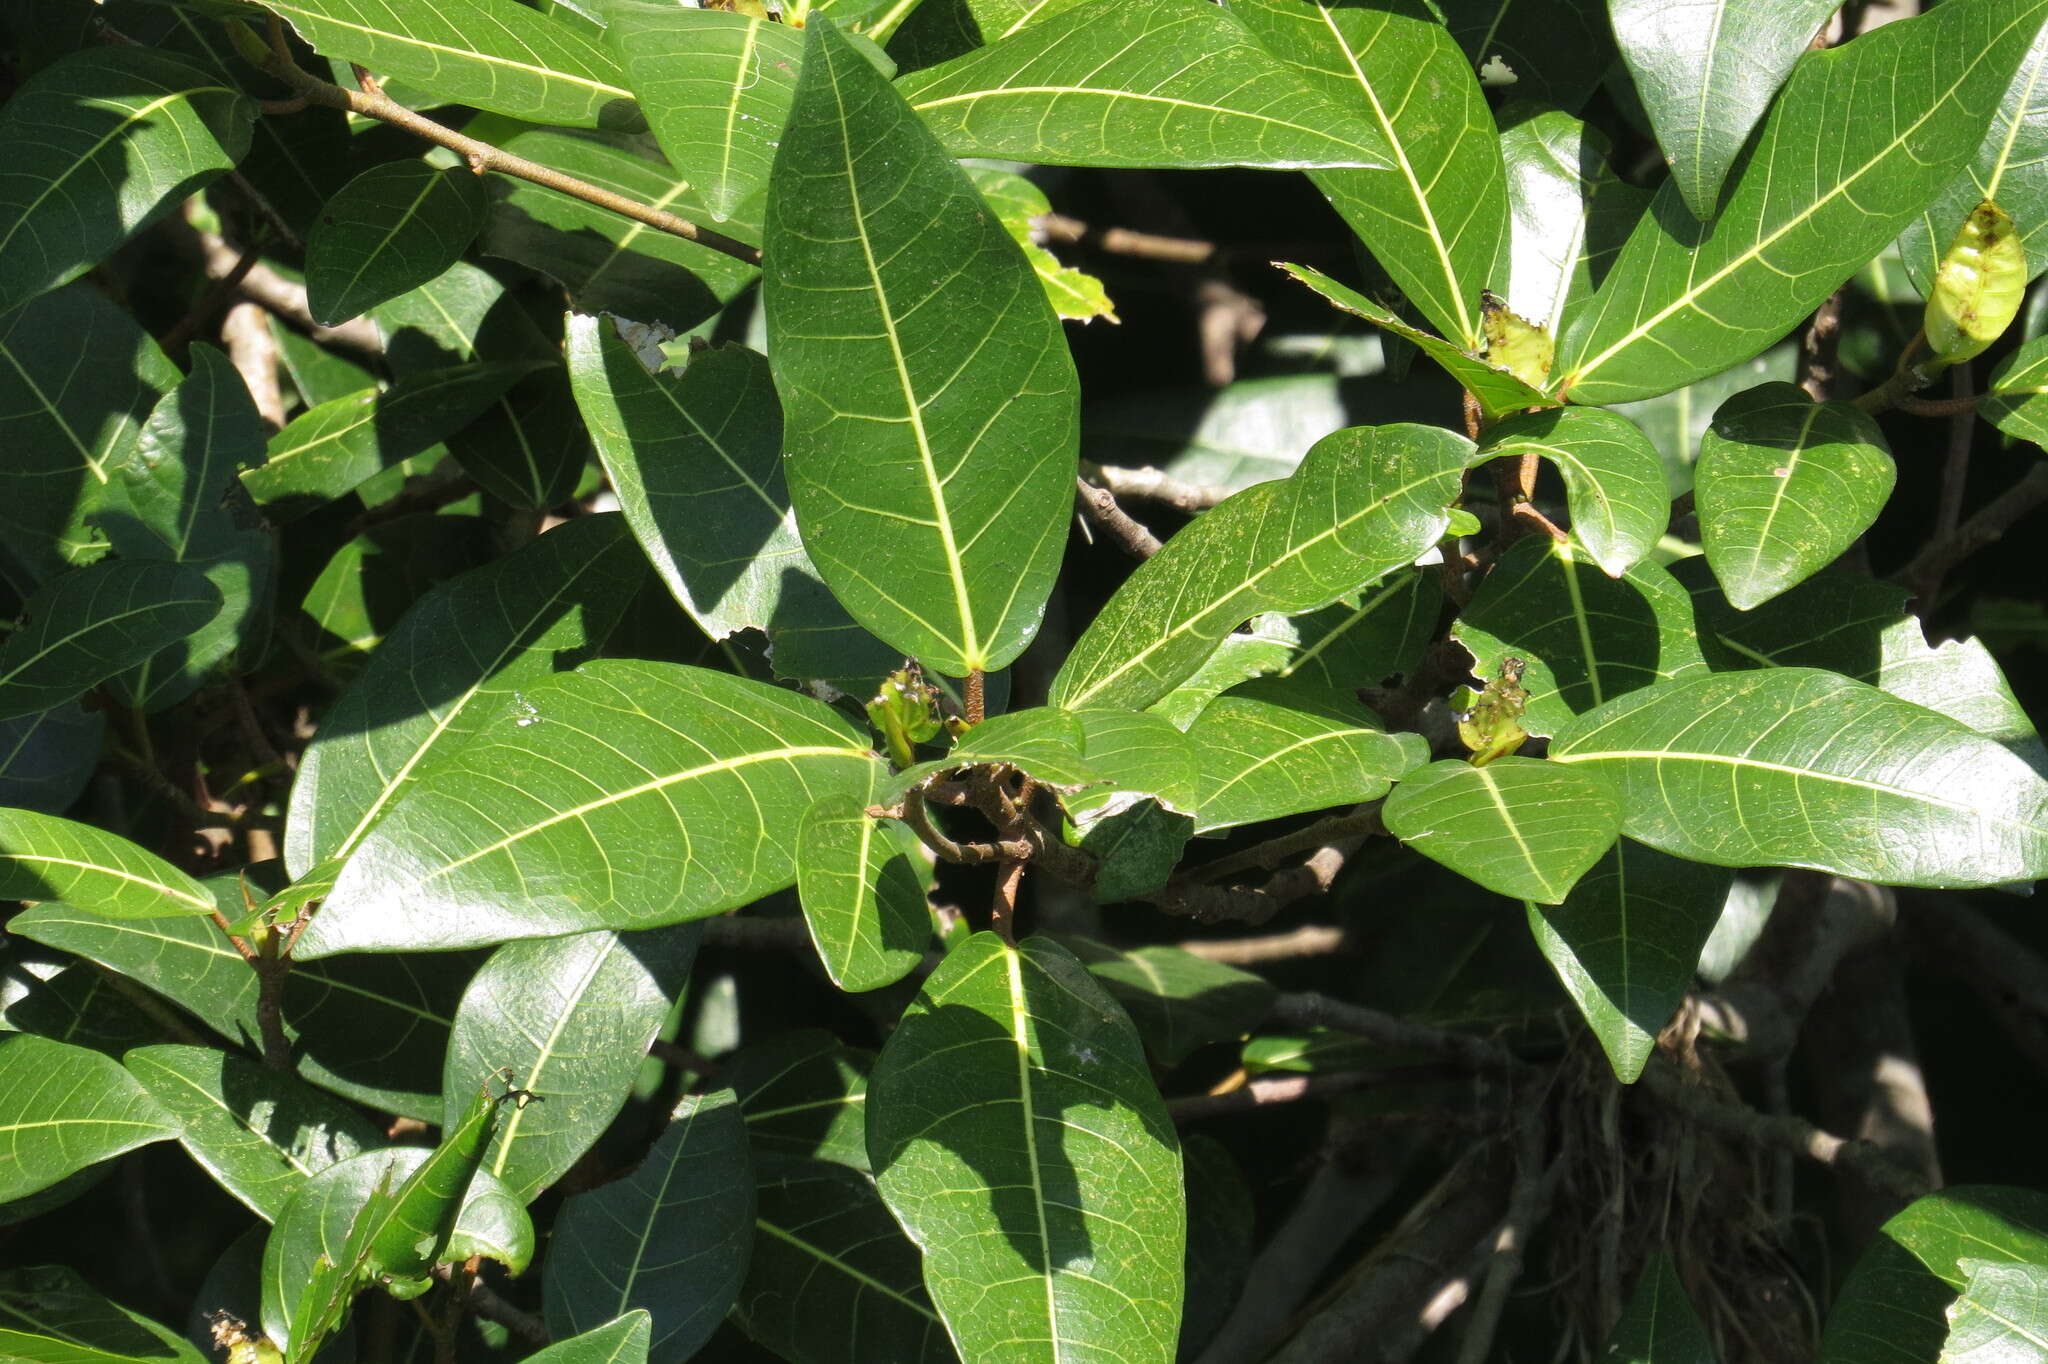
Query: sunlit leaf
pixel 1266 753
pixel 391 229
pixel 863 892
pixel 43 857
pixel 1520 827
pixel 63 1108
pixel 1613 479
pixel 1568 214
pixel 88 624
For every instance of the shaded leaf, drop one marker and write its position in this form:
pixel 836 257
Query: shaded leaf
pixel 1613 479
pixel 909 446
pixel 1568 214
pixel 2015 404
pixel 63 1108
pixel 862 886
pixel 1267 751
pixel 1177 1001
pixel 1221 1233
pixel 529 448
pixel 803 1094
pixel 390 230
pixel 1520 827
pixel 371 581
pixel 86 625
pixel 1660 1325
pixel 1546 54
pixel 47 758
pixel 43 857
pixel 623 1340
pixel 1676 421
pixel 671 1237
pixel 49 1314
pixel 1019 1140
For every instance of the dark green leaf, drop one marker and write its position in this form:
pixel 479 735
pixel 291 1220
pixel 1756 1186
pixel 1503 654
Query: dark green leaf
pixel 862 886
pixel 416 1229
pixel 1660 1325
pixel 63 1108
pixel 514 622
pixel 1675 422
pixel 260 1134
pixel 1831 178
pixel 1020 1141
pixel 47 758
pixel 529 448
pixel 832 1278
pixel 1364 640
pixel 2016 404
pixel 105 142
pixel 1435 216
pixel 1553 54
pixel 50 1315
pixel 43 857
pixel 671 1237
pixel 1520 827
pixel 623 1340
pixel 463 313
pixel 391 229
pixel 1613 478
pixel 1267 751
pixel 1785 485
pixel 1177 1001
pixel 87 624
pixel 1800 768
pixel 1568 213
pixel 1167 83
pixel 931 467
pixel 1222 1231
pixel 494 54
pixel 371 581
pixel 622 795
pixel 1364 502
pixel 804 1096
pixel 569 1020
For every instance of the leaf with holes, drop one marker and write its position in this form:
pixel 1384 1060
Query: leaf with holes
pixel 1019 1139
pixel 63 1108
pixel 1520 827
pixel 1613 478
pixel 1075 295
pixel 390 230
pixel 1268 751
pixel 89 624
pixel 931 467
pixel 862 886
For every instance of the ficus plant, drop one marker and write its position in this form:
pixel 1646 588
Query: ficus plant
pixel 579 737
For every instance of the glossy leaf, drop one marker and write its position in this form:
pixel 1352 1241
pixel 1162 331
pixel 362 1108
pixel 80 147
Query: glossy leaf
pixel 863 891
pixel 1075 295
pixel 716 87
pixel 391 229
pixel 1613 479
pixel 832 1277
pixel 1364 502
pixel 1520 827
pixel 1800 768
pixel 1552 54
pixel 1367 639
pixel 65 424
pixel 1268 752
pixel 803 1094
pixel 1021 1143
pixel 1827 184
pixel 1583 637
pixel 106 141
pixel 494 54
pixel 1660 1325
pixel 671 1237
pixel 261 1135
pixel 461 658
pixel 47 758
pixel 528 449
pixel 2016 403
pixel 568 1021
pixel 63 1108
pixel 174 496
pixel 49 1314
pixel 1498 391
pixel 1785 485
pixel 464 313
pixel 1568 214
pixel 931 467
pixel 1675 422
pixel 934 30
pixel 1178 1001
pixel 415 1231
pixel 88 624
pixel 370 583
pixel 1436 216
pixel 1626 944
pixel 611 264
pixel 622 795
pixel 622 1340
pixel 43 857
pixel 1168 83
pixel 1706 73
pixel 2002 1316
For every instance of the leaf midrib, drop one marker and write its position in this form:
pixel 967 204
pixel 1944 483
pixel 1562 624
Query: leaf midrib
pixel 1318 134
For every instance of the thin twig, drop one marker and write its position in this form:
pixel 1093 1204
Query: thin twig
pixel 1527 1206
pixel 1955 477
pixel 1099 505
pixel 1003 911
pixel 1986 527
pixel 1252 904
pixel 211 302
pixel 1056 227
pixel 1155 485
pixel 1310 940
pixel 485 1302
pixel 1267 1090
pixel 1363 821
pixel 1306 1010
pixel 252 349
pixel 1962 402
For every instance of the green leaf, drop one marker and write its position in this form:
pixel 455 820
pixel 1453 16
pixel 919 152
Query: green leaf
pixel 461 658
pixel 832 1278
pixel 1785 485
pixel 1676 422
pixel 1552 54
pixel 1168 83
pixel 2016 404
pixel 622 1340
pixel 1892 1307
pixel 803 1094
pixel 2002 1316
pixel 1435 216
pixel 1178 1002
pixel 931 465
pixel 1520 827
pixel 1134 754
pixel 1831 178
pixel 1626 943
pixel 611 264
pixel 328 450
pixel 43 857
pixel 66 425
pixel 1020 1141
pixel 935 30
pixel 716 87
pixel 87 624
pixel 370 583
pixel 1585 638
pixel 671 1237
pixel 46 759
pixel 175 496
pixel 464 313
pixel 1268 751
pixel 494 54
pixel 1568 214
pixel 525 830
pixel 1799 768
pixel 1364 502
pixel 1706 74
pixel 390 230
pixel 2010 167
pixel 49 1314
pixel 1613 479
pixel 106 141
pixel 63 1108
pixel 1366 639
pixel 570 1019
pixel 260 1134
pixel 529 448
pixel 862 887
pixel 1660 1325
pixel 1043 741
pixel 1499 392
pixel 1075 295
pixel 416 1229
pixel 342 1209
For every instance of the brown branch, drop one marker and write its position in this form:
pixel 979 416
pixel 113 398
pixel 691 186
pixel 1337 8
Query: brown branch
pixel 1305 1010
pixel 1820 348
pixel 1528 1205
pixel 245 335
pixel 1955 476
pixel 261 284
pixel 974 701
pixel 1056 227
pixel 1963 401
pixel 485 1302
pixel 1361 822
pixel 1267 1090
pixel 1310 940
pixel 1154 485
pixel 1099 505
pixel 211 302
pixel 1988 526
pixel 1251 904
